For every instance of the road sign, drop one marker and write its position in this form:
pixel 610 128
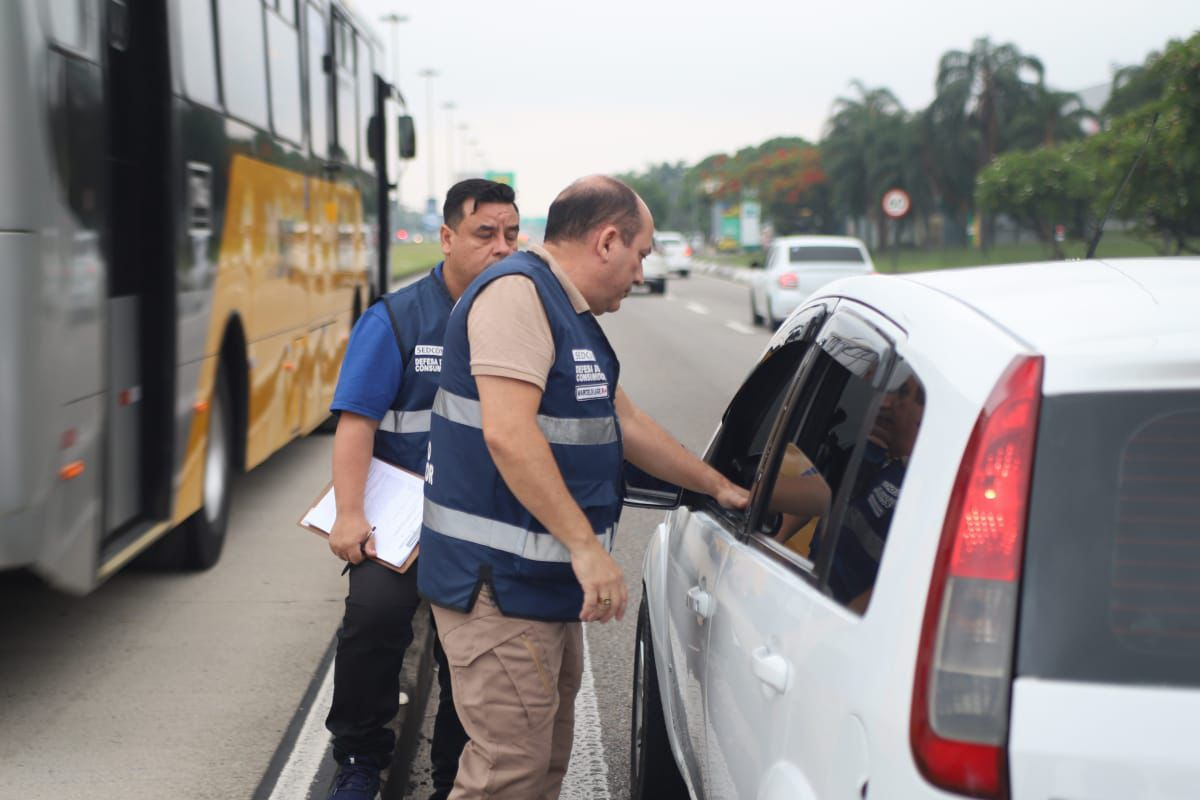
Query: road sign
pixel 896 203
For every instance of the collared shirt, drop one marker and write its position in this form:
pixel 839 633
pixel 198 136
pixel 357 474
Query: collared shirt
pixel 508 330
pixel 373 367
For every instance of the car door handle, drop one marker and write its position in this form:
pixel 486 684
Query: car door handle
pixel 699 602
pixel 771 669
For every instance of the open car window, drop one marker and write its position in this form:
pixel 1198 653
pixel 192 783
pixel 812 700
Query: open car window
pixel 836 470
pixel 737 449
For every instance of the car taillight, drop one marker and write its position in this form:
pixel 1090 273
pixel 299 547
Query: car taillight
pixel 959 721
pixel 788 281
pixel 687 251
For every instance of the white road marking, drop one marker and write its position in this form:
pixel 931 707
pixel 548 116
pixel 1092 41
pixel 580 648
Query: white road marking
pixel 297 775
pixel 587 774
pixel 696 308
pixel 737 326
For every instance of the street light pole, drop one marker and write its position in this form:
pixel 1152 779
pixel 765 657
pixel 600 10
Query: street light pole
pixel 429 75
pixel 392 160
pixel 394 21
pixel 449 106
pixel 462 145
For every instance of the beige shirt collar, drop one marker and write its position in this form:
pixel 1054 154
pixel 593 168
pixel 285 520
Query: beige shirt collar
pixel 577 300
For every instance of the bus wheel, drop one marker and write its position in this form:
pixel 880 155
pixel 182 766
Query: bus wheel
pixel 204 531
pixel 196 544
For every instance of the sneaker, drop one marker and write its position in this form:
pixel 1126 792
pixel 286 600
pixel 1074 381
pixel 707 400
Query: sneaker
pixel 355 782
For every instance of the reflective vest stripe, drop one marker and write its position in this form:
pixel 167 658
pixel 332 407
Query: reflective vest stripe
pixel 557 430
pixel 405 421
pixel 500 535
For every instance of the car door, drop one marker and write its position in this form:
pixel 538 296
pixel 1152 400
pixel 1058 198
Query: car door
pixel 700 532
pixel 781 688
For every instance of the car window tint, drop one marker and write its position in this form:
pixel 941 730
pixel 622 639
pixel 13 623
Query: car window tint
pixel 839 475
pixel 738 447
pixel 1112 549
pixel 802 254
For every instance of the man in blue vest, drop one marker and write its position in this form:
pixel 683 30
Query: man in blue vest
pixel 384 394
pixel 523 485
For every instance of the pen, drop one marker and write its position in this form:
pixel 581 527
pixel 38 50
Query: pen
pixel 362 546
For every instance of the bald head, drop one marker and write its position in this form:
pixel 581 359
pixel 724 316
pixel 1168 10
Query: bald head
pixel 593 202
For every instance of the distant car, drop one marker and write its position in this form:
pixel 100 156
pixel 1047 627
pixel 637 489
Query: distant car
pixel 674 247
pixel 797 266
pixel 654 273
pixel 970 566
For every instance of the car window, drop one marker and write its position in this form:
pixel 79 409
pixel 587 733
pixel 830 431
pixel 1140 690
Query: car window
pixel 1112 549
pixel 835 478
pixel 772 254
pixel 751 416
pixel 802 254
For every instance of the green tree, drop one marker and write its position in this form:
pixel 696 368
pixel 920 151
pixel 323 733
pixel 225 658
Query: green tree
pixel 1048 118
pixel 1042 189
pixel 1162 198
pixel 1133 87
pixel 863 152
pixel 979 91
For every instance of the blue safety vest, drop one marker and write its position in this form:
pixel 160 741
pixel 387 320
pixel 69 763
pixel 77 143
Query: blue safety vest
pixel 418 313
pixel 475 530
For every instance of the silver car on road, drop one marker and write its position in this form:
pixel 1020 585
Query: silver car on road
pixel 797 266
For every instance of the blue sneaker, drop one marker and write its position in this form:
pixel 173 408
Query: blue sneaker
pixel 355 782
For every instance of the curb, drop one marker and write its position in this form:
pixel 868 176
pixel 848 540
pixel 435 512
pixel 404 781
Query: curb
pixel 742 275
pixel 416 678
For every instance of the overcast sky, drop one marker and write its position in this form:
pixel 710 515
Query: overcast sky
pixel 555 89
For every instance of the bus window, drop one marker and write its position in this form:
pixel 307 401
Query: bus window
pixel 199 50
pixel 243 63
pixel 286 9
pixel 283 48
pixel 67 25
pixel 318 84
pixel 347 124
pixel 366 97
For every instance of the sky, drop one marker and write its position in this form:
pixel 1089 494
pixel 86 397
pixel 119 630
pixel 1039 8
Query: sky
pixel 551 90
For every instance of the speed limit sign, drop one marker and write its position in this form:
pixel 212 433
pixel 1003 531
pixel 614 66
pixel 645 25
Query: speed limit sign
pixel 896 203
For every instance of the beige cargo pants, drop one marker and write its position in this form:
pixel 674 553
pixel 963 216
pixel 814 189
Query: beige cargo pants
pixel 515 682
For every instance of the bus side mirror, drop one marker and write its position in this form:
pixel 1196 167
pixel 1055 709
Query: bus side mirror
pixel 407 134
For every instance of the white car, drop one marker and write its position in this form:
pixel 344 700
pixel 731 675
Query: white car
pixel 971 562
pixel 674 247
pixel 797 266
pixel 654 274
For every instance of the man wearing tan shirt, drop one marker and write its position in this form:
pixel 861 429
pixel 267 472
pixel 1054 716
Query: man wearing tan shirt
pixel 529 431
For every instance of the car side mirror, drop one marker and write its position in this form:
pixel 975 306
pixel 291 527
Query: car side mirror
pixel 642 490
pixel 407 136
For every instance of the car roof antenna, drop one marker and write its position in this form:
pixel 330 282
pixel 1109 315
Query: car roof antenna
pixel 1091 251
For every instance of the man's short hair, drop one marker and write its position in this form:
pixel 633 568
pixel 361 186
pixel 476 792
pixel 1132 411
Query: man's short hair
pixel 480 191
pixel 590 203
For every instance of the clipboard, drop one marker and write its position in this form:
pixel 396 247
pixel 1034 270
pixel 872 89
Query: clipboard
pixel 393 501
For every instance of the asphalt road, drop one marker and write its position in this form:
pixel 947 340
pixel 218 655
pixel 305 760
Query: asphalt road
pixel 183 686
pixel 682 358
pixel 168 685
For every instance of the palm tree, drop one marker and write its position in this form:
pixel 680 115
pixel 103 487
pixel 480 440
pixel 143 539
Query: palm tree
pixel 980 90
pixel 862 151
pixel 1049 118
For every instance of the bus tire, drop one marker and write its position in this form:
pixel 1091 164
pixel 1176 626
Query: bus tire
pixel 196 544
pixel 204 531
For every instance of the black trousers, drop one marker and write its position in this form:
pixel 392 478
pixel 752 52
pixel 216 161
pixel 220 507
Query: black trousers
pixel 376 631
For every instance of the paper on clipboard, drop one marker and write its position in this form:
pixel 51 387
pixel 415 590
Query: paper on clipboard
pixel 393 502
